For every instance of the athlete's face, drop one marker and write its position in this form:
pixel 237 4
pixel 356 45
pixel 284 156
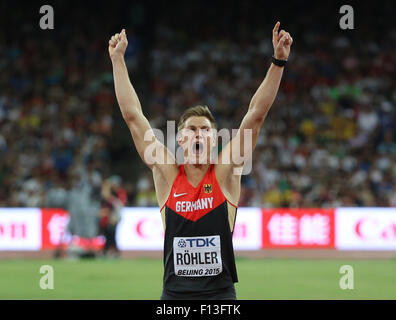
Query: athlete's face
pixel 197 139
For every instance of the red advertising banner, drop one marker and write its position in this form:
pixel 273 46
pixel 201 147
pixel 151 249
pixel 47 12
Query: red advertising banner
pixel 298 228
pixel 53 226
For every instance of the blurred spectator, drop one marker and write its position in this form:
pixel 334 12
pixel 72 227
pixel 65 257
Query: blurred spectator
pixel 114 199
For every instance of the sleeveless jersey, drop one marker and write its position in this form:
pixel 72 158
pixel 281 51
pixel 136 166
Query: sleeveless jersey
pixel 198 249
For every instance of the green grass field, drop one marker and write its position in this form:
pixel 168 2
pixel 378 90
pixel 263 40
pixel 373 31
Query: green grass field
pixel 142 279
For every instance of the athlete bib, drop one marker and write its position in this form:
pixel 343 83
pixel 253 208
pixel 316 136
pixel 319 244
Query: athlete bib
pixel 197 256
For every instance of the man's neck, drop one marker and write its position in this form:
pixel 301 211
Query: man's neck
pixel 195 172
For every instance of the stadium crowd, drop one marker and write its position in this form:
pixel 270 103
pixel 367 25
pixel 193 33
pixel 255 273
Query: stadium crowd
pixel 56 111
pixel 328 140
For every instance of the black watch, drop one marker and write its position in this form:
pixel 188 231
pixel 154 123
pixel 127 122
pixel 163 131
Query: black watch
pixel 278 62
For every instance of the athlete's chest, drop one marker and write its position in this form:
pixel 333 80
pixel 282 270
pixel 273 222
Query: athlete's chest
pixel 194 202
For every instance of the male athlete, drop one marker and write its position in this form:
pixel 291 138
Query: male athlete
pixel 198 199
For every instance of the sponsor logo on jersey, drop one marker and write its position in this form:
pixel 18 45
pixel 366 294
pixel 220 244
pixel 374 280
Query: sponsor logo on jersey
pixel 179 195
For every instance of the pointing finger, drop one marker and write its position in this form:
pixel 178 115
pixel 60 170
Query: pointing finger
pixel 276 28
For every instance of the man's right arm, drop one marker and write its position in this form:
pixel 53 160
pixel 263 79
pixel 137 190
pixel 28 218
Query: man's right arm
pixel 131 110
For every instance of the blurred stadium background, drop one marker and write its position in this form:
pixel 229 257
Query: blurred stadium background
pixel 322 190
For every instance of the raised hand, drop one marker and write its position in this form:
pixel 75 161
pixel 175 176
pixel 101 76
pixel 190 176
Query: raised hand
pixel 118 44
pixel 282 42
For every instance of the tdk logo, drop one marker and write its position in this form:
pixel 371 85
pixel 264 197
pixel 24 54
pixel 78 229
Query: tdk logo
pixel 181 243
pixel 201 242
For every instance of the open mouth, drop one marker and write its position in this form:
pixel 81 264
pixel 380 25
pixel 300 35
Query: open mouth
pixel 198 148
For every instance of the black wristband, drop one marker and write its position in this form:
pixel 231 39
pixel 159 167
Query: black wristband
pixel 278 62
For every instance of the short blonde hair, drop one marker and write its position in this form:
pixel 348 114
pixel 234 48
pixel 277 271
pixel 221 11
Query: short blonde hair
pixel 196 111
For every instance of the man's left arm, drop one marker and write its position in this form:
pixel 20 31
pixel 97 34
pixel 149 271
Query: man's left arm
pixel 260 103
pixel 235 154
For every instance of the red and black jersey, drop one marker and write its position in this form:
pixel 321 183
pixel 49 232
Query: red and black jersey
pixel 198 249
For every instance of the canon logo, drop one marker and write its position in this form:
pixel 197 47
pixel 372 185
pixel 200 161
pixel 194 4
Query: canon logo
pixel 149 228
pixel 13 230
pixel 368 228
